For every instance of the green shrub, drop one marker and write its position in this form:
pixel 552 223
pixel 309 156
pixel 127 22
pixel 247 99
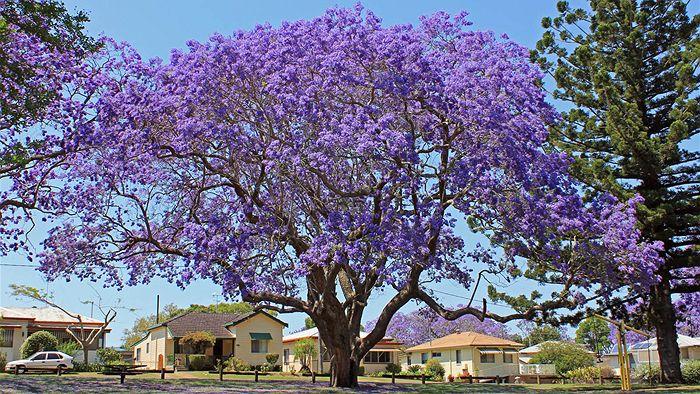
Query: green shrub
pixel 361 370
pixel 391 367
pixel 589 374
pixel 413 369
pixel 38 342
pixel 434 369
pixel 70 348
pixel 691 371
pixel 108 355
pixel 236 364
pixel 3 361
pixel 272 358
pixel 81 367
pixel 200 362
pixel 644 373
pixel 565 356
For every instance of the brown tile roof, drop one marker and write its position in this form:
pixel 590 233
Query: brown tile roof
pixel 214 323
pixel 467 338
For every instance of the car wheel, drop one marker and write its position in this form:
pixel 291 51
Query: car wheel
pixel 21 369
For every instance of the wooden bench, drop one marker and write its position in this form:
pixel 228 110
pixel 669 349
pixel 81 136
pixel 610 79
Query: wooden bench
pixel 122 370
pixel 484 379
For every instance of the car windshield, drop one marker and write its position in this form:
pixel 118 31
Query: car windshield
pixel 38 356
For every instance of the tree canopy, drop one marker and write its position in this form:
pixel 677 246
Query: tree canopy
pixel 594 333
pixel 538 333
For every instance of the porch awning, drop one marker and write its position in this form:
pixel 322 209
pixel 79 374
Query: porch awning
pixel 510 350
pixel 260 336
pixel 490 350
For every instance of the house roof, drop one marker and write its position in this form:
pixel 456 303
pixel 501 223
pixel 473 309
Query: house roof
pixel 215 323
pixel 313 333
pixel 467 338
pixel 44 316
pixel 683 342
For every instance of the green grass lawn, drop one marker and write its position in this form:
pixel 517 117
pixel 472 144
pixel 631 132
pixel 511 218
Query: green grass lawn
pixel 203 382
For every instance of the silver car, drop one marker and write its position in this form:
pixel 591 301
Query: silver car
pixel 48 361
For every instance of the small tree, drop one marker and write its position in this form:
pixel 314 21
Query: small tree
pixel 309 323
pixel 305 351
pixel 198 340
pixel 565 356
pixel 69 347
pixel 272 358
pixel 434 369
pixel 594 333
pixel 85 336
pixel 38 342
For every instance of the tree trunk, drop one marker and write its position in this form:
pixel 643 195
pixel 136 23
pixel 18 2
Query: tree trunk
pixel 340 342
pixel 345 371
pixel 663 317
pixel 86 353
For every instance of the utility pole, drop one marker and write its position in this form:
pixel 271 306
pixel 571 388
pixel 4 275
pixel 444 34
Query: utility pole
pixel 92 305
pixel 216 297
pixel 157 308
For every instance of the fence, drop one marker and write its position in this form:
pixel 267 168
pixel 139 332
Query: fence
pixel 537 369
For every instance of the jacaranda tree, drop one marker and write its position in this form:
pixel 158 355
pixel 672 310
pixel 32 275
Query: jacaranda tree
pixel 307 166
pixel 49 77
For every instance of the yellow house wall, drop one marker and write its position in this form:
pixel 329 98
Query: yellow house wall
pixel 18 336
pixel 258 323
pixel 470 360
pixel 157 343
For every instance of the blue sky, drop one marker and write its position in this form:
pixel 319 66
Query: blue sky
pixel 155 27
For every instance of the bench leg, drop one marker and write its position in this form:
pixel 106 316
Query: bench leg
pixel 121 378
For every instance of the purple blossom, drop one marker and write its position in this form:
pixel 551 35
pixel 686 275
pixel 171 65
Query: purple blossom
pixel 424 324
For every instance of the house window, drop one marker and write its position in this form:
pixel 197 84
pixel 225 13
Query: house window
pixel 508 358
pixel 436 355
pixel 408 359
pixel 258 346
pixel 458 356
pixel 377 357
pixel 147 348
pixel 6 338
pixel 423 358
pixel 138 354
pixel 488 358
pixel 286 356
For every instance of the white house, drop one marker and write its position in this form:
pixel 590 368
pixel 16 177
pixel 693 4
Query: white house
pixel 640 353
pixel 16 324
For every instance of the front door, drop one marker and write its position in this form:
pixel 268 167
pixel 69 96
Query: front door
pixel 218 349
